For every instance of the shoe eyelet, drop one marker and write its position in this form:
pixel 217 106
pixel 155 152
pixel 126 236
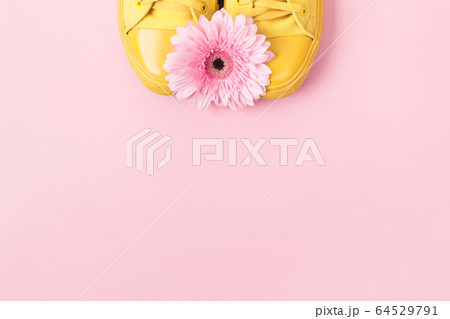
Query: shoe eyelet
pixel 204 8
pixel 304 12
pixel 139 4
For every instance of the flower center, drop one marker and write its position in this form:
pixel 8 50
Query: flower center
pixel 219 65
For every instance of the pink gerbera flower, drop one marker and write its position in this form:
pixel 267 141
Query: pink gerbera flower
pixel 220 61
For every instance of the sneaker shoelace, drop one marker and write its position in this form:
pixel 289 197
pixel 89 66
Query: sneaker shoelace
pixel 197 6
pixel 271 9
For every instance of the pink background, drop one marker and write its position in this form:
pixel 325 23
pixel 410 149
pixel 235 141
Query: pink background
pixel 377 105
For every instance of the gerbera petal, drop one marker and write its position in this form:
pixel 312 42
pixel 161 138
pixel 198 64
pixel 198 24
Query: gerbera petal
pixel 239 21
pixel 257 58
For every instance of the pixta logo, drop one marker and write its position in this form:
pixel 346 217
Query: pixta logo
pixel 142 150
pixel 149 151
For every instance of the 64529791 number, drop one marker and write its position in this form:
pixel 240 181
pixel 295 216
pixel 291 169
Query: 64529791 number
pixel 406 310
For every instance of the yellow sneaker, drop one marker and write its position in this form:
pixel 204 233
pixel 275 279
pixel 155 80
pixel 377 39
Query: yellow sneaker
pixel 294 28
pixel 146 27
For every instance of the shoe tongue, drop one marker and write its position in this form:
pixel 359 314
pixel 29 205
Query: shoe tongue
pixel 165 19
pixel 292 24
pixel 279 27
